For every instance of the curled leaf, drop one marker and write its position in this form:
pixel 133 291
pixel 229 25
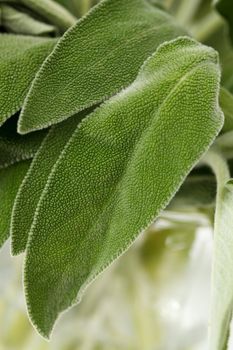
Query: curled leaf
pixel 21 56
pixel 29 194
pixel 96 58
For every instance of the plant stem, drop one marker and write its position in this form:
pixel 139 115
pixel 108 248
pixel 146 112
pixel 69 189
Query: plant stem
pixel 52 11
pixel 215 160
pixel 203 29
pixel 187 10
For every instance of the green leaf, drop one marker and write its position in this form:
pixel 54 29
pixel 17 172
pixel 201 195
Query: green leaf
pixel 18 22
pixel 52 11
pixel 225 7
pixel 10 180
pixel 29 194
pixel 21 57
pixel 99 56
pixel 222 283
pixel 121 167
pixel 14 147
pixel 222 286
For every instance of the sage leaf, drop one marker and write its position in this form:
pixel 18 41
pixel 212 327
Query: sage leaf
pixel 120 168
pixel 222 283
pixel 10 180
pixel 20 58
pixel 96 58
pixel 222 286
pixel 30 191
pixel 14 147
pixel 19 22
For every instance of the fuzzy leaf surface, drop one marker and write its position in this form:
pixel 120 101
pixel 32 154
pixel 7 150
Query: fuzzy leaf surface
pixel 121 167
pixel 10 180
pixel 30 191
pixel 96 58
pixel 20 58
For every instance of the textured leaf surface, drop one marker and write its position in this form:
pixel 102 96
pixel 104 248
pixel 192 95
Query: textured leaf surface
pixel 19 22
pixel 35 181
pixel 119 170
pixel 20 58
pixel 15 147
pixel 10 180
pixel 95 59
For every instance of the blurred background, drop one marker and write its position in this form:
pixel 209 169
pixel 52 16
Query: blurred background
pixel 156 297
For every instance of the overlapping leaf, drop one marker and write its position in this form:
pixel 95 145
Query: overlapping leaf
pixel 35 181
pixel 52 11
pixel 19 22
pixel 20 58
pixel 96 58
pixel 10 180
pixel 121 167
pixel 15 147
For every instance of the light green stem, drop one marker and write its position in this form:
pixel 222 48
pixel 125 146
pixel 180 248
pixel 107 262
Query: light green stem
pixel 203 29
pixel 187 10
pixel 215 160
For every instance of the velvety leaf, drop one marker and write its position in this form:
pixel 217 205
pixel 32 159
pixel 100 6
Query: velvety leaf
pixel 21 57
pixel 19 22
pixel 10 180
pixel 35 181
pixel 14 147
pixel 121 167
pixel 225 7
pixel 52 11
pixel 96 58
